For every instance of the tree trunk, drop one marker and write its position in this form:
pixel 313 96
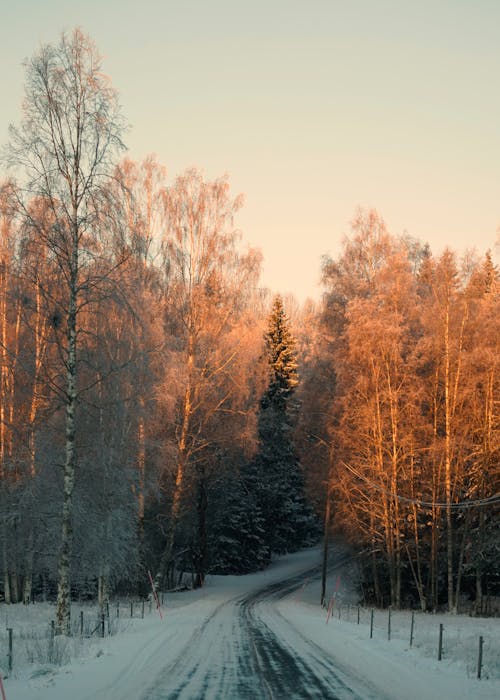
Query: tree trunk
pixel 201 554
pixel 28 566
pixel 447 460
pixel 141 466
pixel 182 458
pixel 103 587
pixel 5 562
pixel 40 346
pixel 478 603
pixel 64 568
pixel 460 564
pixel 326 535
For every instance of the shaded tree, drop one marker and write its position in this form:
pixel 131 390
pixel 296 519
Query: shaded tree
pixel 69 136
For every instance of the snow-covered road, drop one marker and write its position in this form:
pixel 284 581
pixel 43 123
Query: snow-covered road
pixel 250 637
pixel 246 650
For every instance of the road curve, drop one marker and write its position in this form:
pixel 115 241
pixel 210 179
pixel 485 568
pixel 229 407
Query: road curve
pixel 236 655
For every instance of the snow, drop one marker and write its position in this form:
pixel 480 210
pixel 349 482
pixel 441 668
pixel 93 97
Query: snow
pixel 125 666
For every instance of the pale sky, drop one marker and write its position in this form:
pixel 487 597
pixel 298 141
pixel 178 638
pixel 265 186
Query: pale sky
pixel 313 108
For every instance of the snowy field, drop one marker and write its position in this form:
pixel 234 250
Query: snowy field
pixel 123 665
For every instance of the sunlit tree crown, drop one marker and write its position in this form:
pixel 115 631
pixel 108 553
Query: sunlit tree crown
pixel 280 345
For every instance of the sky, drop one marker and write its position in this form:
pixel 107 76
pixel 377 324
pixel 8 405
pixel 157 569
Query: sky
pixel 312 107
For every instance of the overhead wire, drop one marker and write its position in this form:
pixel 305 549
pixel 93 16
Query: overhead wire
pixel 461 505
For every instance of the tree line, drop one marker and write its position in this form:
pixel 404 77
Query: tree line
pixel 160 412
pixel 412 426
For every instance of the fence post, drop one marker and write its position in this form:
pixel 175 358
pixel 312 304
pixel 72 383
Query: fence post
pixel 81 623
pixel 142 614
pixel 358 614
pixel 371 624
pixel 440 648
pixel 117 609
pixel 9 630
pixel 412 626
pixel 150 605
pixel 51 640
pixel 480 657
pixel 131 609
pixel 389 626
pixel 103 617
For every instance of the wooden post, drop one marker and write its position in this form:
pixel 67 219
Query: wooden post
pixel 81 623
pixel 131 609
pixel 480 657
pixel 103 618
pixel 371 625
pixel 10 660
pixel 51 640
pixel 412 626
pixel 358 614
pixel 117 609
pixel 440 647
pixel 389 626
pixel 142 615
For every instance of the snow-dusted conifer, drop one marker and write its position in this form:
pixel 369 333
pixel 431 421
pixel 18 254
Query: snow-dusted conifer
pixel 275 477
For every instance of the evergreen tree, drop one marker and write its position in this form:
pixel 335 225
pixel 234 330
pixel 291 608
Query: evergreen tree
pixel 275 477
pixel 237 539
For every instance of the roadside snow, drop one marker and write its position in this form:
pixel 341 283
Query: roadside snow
pixel 400 672
pixel 121 667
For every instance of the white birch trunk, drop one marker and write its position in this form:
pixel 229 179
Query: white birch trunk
pixel 64 567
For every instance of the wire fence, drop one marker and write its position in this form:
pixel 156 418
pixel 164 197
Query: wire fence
pixel 437 636
pixel 29 635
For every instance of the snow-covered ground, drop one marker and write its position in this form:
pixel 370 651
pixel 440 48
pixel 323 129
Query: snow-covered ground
pixel 123 666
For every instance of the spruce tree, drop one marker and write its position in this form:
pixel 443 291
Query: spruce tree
pixel 275 477
pixel 237 537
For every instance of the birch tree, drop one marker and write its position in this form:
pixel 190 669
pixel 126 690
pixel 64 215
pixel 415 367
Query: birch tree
pixel 66 144
pixel 208 279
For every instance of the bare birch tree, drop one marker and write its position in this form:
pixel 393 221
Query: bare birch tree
pixel 66 144
pixel 209 279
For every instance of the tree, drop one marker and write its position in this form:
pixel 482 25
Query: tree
pixel 379 411
pixel 208 280
pixel 66 144
pixel 275 476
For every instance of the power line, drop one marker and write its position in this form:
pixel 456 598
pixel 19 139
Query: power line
pixel 478 503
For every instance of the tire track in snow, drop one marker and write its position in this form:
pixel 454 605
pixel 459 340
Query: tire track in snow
pixel 236 655
pixel 290 672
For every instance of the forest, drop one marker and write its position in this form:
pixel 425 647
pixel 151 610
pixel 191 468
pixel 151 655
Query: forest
pixel 162 414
